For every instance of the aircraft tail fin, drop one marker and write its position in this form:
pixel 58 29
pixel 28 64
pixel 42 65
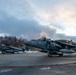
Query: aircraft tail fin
pixel 71 42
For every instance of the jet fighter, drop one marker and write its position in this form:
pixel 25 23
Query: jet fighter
pixel 52 47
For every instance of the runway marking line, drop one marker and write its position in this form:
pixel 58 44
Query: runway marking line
pixel 5 70
pixel 45 68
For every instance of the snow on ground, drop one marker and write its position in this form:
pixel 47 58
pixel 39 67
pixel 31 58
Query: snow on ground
pixel 26 52
pixel 31 51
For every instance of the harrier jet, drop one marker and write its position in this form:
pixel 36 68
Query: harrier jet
pixel 52 47
pixel 10 49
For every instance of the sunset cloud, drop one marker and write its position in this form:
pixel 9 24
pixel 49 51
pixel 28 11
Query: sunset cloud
pixel 37 18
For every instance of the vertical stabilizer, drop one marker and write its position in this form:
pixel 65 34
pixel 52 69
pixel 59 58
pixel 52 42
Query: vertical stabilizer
pixel 71 42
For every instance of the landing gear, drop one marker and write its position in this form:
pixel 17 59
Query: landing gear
pixel 49 54
pixel 3 52
pixel 12 52
pixel 60 55
pixel 17 52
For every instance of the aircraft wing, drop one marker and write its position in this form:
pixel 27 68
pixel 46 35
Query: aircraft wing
pixel 15 48
pixel 66 44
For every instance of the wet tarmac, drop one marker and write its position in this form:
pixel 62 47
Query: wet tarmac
pixel 37 63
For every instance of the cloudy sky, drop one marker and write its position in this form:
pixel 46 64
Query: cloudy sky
pixel 36 18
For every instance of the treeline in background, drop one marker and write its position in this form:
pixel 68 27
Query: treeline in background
pixel 12 41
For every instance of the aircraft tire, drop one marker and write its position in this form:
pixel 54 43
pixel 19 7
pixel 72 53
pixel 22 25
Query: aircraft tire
pixel 12 52
pixel 60 55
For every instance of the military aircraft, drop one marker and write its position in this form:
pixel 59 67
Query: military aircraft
pixel 52 47
pixel 10 49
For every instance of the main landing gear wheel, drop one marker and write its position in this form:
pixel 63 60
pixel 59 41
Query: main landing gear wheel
pixel 60 55
pixel 12 52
